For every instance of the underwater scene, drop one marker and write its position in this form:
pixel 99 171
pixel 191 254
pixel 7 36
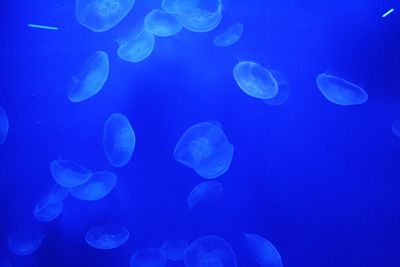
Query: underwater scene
pixel 200 133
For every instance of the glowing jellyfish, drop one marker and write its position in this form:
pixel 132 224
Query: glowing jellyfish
pixel 169 6
pixel 91 79
pixel 136 47
pixel 162 24
pixel 210 251
pixel 102 15
pixel 174 250
pixel 107 237
pixel 283 91
pixel 396 128
pixel 98 187
pixel 68 173
pixel 47 210
pixel 255 80
pixel 340 91
pixel 205 148
pixel 204 192
pixel 119 140
pixel 263 251
pixel 4 126
pixel 230 36
pixel 148 258
pixel 4 262
pixel 25 242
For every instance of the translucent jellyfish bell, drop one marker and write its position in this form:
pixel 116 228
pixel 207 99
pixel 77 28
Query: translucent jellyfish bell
pixel 148 258
pixel 107 237
pixel 204 192
pixel 263 251
pixel 396 128
pixel 283 91
pixel 174 250
pixel 98 187
pixel 162 24
pixel 47 210
pixel 102 15
pixel 68 173
pixel 340 91
pixel 25 242
pixel 136 47
pixel 4 126
pixel 169 6
pixel 58 193
pixel 229 36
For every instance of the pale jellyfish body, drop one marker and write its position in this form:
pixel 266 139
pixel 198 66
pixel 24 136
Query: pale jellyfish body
pixel 162 24
pixel 148 258
pixel 136 47
pixel 107 237
pixel 174 250
pixel 263 251
pixel 204 192
pixel 47 210
pixel 68 173
pixel 169 6
pixel 98 187
pixel 25 242
pixel 4 126
pixel 230 36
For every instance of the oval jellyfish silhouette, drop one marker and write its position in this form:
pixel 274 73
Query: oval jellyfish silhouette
pixel 4 262
pixel 169 6
pixel 4 126
pixel 148 257
pixel 162 24
pixel 174 250
pixel 205 148
pixel 47 210
pixel 136 47
pixel 107 237
pixel 263 251
pixel 68 173
pixel 210 251
pixel 102 15
pixel 119 140
pixel 204 192
pixel 25 242
pixel 396 128
pixel 98 187
pixel 255 80
pixel 230 36
pixel 91 79
pixel 340 91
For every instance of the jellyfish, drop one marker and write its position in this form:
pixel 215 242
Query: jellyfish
pixel 98 187
pixel 340 91
pixel 102 15
pixel 230 36
pixel 107 237
pixel 162 24
pixel 396 128
pixel 136 47
pixel 150 257
pixel 58 193
pixel 283 91
pixel 169 6
pixel 25 242
pixel 4 262
pixel 68 173
pixel 174 250
pixel 4 126
pixel 47 209
pixel 205 148
pixel 210 251
pixel 263 251
pixel 91 79
pixel 203 192
pixel 119 140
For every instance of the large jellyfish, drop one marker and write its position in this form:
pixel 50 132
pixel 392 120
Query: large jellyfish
pixel 107 237
pixel 203 192
pixel 396 128
pixel 137 46
pixel 47 209
pixel 174 250
pixel 340 91
pixel 169 6
pixel 263 251
pixel 98 187
pixel 205 148
pixel 25 242
pixel 102 15
pixel 162 24
pixel 119 140
pixel 230 36
pixel 148 258
pixel 4 126
pixel 210 251
pixel 68 173
pixel 91 79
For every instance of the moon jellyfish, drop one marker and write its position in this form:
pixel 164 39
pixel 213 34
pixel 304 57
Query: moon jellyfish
pixel 205 148
pixel 91 79
pixel 68 173
pixel 169 6
pixel 47 210
pixel 230 36
pixel 107 237
pixel 340 91
pixel 148 258
pixel 263 251
pixel 25 242
pixel 102 15
pixel 119 140
pixel 283 91
pixel 4 262
pixel 162 24
pixel 203 192
pixel 210 251
pixel 174 250
pixel 136 47
pixel 396 128
pixel 98 187
pixel 4 126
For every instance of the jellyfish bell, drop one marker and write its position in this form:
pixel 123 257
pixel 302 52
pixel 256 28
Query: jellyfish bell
pixel 47 210
pixel 148 257
pixel 68 173
pixel 162 24
pixel 107 236
pixel 204 192
pixel 230 36
pixel 25 242
pixel 98 187
pixel 136 46
pixel 262 250
pixel 283 90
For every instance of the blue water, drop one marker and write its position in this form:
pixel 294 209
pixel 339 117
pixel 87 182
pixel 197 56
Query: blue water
pixel 320 181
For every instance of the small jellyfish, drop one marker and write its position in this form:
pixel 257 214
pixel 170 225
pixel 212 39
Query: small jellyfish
pixel 230 36
pixel 174 250
pixel 119 140
pixel 102 15
pixel 47 210
pixel 98 187
pixel 148 258
pixel 4 126
pixel 396 128
pixel 340 91
pixel 68 173
pixel 169 6
pixel 107 237
pixel 136 47
pixel 205 148
pixel 162 24
pixel 210 251
pixel 204 192
pixel 25 242
pixel 263 251
pixel 255 80
pixel 91 79
pixel 4 262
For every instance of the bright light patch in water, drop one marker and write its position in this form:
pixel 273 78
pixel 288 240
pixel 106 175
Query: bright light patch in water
pixel 44 27
pixel 390 11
